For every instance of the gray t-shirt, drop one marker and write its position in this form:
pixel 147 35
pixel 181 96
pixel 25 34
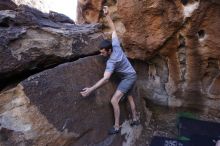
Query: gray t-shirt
pixel 118 62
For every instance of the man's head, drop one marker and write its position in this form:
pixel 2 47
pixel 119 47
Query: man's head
pixel 105 48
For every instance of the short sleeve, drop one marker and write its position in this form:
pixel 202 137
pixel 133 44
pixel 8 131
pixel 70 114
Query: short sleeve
pixel 110 66
pixel 115 40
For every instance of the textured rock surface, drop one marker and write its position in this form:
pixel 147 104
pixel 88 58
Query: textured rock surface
pixel 31 41
pixel 197 60
pixel 176 47
pixel 89 11
pixel 57 17
pixel 179 43
pixel 7 5
pixel 38 4
pixel 162 20
pixel 47 108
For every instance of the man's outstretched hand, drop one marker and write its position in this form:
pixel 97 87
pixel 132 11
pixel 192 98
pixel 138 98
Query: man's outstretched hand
pixel 86 91
pixel 105 10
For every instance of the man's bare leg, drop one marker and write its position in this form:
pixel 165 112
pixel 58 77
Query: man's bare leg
pixel 133 109
pixel 218 143
pixel 115 100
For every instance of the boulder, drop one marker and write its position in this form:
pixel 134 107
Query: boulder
pixel 30 41
pixel 47 108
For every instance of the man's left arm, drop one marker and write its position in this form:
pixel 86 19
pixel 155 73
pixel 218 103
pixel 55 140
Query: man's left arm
pixel 86 91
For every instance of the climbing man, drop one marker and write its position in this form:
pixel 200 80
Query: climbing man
pixel 117 62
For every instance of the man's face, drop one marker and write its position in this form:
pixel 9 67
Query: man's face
pixel 105 53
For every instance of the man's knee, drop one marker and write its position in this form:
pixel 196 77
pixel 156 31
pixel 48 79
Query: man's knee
pixel 116 97
pixel 114 101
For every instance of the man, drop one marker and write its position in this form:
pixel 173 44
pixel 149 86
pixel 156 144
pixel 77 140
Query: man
pixel 117 62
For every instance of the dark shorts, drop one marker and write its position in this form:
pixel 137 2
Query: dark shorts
pixel 127 83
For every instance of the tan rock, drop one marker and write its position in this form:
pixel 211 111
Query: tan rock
pixel 47 108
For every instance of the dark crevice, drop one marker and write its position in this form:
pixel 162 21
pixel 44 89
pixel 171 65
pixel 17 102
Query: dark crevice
pixel 212 63
pixel 201 34
pixel 181 41
pixel 184 2
pixel 15 78
pixel 5 134
pixel 182 56
pixel 5 22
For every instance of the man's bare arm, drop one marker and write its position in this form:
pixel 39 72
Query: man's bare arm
pixel 102 81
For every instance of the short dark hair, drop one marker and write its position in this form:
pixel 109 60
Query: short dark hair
pixel 106 44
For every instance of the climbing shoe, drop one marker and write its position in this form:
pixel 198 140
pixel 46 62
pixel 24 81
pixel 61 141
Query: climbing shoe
pixel 113 130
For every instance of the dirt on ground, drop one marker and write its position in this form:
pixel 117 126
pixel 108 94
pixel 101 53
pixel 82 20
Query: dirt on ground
pixel 163 121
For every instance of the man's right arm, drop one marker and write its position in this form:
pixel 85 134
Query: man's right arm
pixel 86 91
pixel 102 81
pixel 115 40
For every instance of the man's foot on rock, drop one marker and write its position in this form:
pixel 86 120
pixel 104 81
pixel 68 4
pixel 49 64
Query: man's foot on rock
pixel 113 130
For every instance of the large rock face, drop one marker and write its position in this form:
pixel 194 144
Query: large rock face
pixel 31 40
pixel 175 45
pixel 161 21
pixel 47 108
pixel 195 74
pixel 179 40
